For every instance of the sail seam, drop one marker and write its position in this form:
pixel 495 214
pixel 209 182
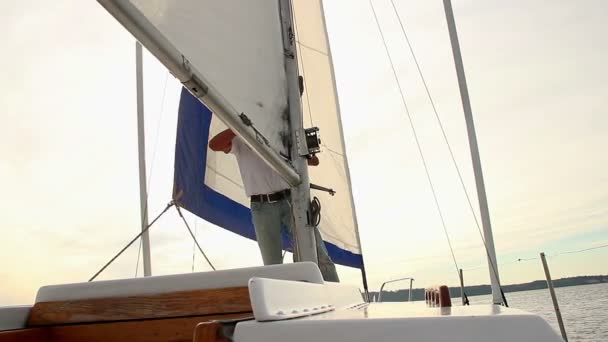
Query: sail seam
pixel 310 47
pixel 301 58
pixel 333 151
pixel 225 177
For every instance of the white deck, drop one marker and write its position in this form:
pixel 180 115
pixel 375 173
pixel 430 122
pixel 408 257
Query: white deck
pixel 277 304
pixel 405 322
pixel 297 311
pixel 302 271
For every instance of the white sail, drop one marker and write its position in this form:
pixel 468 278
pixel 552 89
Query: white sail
pixel 222 170
pixel 237 47
pixel 321 108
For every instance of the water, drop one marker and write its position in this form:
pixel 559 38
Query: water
pixel 584 309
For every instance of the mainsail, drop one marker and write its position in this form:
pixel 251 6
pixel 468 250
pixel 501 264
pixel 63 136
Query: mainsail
pixel 221 198
pixel 237 47
pixel 321 109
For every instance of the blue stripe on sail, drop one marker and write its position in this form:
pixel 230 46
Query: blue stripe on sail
pixel 192 194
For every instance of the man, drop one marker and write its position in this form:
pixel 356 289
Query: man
pixel 270 202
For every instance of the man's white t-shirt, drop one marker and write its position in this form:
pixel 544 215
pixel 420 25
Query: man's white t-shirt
pixel 258 178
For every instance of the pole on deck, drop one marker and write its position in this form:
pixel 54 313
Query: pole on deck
pixel 462 287
pixel 481 190
pixel 141 139
pixel 558 313
pixel 409 295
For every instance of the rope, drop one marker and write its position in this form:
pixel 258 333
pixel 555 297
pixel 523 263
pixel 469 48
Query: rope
pixel 160 118
pixel 194 245
pixel 426 169
pixel 299 49
pixel 132 241
pixel 315 211
pixel 502 293
pixel 193 237
pixel 138 255
pixel 445 139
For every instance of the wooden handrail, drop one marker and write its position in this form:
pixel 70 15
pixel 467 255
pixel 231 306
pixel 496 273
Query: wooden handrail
pixel 166 305
pixel 170 316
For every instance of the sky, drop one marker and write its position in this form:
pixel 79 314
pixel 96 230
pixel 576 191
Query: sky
pixel 538 84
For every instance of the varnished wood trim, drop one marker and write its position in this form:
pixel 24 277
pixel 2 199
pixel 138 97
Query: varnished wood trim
pixel 152 330
pixel 25 335
pixel 208 332
pixel 168 305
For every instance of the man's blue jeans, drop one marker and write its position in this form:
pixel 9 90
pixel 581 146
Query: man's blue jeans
pixel 269 219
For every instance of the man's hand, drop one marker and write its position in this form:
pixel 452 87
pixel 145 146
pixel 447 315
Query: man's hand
pixel 222 141
pixel 313 161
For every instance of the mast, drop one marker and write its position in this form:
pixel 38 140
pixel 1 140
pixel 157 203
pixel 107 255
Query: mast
pixel 141 143
pixel 481 191
pixel 305 245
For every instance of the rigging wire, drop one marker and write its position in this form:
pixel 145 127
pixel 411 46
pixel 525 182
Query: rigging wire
pixel 154 150
pixel 301 60
pixel 138 255
pixel 445 138
pixel 193 237
pixel 132 241
pixel 193 244
pixel 426 169
pixel 581 250
pixel 548 256
pixel 160 118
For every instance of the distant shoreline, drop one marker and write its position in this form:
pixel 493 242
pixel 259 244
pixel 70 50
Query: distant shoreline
pixel 480 290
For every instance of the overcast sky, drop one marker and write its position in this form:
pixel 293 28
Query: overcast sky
pixel 538 82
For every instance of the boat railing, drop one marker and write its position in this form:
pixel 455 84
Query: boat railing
pixel 409 296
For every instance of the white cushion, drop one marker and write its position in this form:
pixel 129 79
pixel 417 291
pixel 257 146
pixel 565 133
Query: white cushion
pixel 301 271
pixel 14 317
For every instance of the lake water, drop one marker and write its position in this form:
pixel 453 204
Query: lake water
pixel 584 309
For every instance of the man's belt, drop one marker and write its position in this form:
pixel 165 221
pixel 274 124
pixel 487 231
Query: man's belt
pixel 274 197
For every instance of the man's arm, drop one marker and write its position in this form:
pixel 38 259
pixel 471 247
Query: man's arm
pixel 222 141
